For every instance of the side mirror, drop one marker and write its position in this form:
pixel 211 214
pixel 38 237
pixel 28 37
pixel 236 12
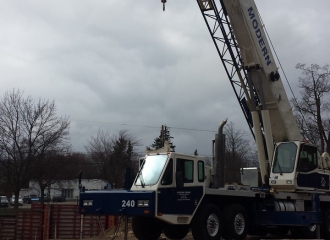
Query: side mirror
pixel 179 179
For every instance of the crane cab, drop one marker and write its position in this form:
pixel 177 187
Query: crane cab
pixel 179 183
pixel 297 166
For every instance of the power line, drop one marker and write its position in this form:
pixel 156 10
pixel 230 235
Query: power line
pixel 193 129
pixel 142 126
pixel 121 124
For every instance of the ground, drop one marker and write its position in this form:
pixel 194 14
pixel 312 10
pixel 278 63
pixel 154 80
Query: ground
pixel 120 235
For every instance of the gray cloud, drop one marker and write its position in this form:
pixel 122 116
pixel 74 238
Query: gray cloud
pixel 115 65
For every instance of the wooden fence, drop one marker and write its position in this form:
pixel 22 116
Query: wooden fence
pixel 53 221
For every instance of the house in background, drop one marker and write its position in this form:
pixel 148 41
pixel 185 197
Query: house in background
pixel 67 188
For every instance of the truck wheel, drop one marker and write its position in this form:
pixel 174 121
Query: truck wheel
pixel 235 222
pixel 207 223
pixel 325 227
pixel 176 231
pixel 303 232
pixel 146 228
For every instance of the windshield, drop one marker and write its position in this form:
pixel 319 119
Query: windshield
pixel 285 158
pixel 151 170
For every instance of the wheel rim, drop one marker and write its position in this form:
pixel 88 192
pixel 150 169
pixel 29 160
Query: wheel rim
pixel 312 228
pixel 239 223
pixel 212 225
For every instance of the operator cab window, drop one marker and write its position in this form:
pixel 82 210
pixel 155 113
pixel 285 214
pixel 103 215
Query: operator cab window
pixel 285 156
pixel 187 168
pixel 201 173
pixel 307 159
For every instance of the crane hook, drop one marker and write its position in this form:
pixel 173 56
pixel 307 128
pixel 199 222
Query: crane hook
pixel 163 1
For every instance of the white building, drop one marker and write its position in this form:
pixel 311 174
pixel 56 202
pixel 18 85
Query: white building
pixel 68 188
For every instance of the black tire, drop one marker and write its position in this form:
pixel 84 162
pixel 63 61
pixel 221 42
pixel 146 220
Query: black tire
pixel 303 232
pixel 207 223
pixel 146 228
pixel 235 222
pixel 325 226
pixel 175 231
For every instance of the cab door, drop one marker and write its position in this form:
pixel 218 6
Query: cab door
pixel 167 190
pixel 181 200
pixel 308 175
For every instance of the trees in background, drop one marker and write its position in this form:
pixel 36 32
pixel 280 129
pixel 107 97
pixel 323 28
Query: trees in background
pixel 59 169
pixel 163 136
pixel 240 152
pixel 112 154
pixel 29 131
pixel 76 162
pixel 312 110
pixel 53 168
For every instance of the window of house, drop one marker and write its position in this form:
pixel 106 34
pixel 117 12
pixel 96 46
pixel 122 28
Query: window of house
pixel 68 193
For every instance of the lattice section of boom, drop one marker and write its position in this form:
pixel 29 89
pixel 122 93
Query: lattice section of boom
pixel 227 48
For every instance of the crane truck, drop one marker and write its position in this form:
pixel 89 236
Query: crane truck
pixel 174 193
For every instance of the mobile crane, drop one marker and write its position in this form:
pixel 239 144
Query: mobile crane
pixel 173 192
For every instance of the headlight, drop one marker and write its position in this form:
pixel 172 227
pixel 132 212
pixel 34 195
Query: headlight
pixel 273 182
pixel 87 202
pixel 143 203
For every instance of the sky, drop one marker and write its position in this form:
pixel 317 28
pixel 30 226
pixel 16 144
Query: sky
pixel 128 65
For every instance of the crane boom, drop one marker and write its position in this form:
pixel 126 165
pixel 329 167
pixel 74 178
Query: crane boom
pixel 256 54
pixel 242 45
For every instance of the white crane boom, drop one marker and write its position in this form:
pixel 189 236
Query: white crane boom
pixel 255 50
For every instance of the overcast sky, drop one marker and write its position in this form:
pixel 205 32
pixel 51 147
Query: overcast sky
pixel 126 64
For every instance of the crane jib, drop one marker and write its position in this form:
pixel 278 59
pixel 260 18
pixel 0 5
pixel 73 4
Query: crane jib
pixel 255 25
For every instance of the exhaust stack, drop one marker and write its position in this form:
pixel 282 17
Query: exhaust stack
pixel 218 168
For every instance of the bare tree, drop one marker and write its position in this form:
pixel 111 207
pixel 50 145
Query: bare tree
pixel 51 169
pixel 76 162
pixel 28 130
pixel 239 153
pixel 312 110
pixel 112 155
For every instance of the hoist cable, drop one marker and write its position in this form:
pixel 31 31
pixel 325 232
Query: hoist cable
pixel 278 60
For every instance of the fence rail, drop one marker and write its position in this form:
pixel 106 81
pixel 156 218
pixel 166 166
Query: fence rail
pixel 53 221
